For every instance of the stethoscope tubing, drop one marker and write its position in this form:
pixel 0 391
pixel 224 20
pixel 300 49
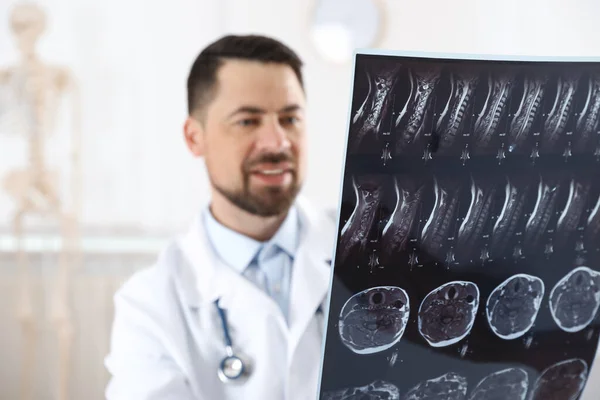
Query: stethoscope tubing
pixel 226 336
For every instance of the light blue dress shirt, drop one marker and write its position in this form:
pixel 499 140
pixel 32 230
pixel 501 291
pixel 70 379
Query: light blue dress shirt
pixel 267 264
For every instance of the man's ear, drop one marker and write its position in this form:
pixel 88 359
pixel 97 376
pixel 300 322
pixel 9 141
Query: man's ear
pixel 194 136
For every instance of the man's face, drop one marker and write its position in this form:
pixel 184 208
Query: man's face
pixel 253 136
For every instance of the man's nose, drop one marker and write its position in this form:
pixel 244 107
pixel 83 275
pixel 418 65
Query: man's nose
pixel 272 136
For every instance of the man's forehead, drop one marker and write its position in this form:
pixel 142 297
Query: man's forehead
pixel 269 87
pixel 251 76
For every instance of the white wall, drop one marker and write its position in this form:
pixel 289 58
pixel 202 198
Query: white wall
pixel 131 58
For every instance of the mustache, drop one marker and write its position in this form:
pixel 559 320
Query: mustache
pixel 271 158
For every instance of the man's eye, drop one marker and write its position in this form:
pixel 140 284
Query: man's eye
pixel 247 122
pixel 290 120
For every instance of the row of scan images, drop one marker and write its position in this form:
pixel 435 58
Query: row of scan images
pixel 563 380
pixel 482 106
pixel 375 319
pixel 482 218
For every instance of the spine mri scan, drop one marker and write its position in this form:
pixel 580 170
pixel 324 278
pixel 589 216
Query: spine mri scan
pixel 467 265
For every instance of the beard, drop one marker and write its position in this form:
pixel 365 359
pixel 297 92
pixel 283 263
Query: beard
pixel 265 201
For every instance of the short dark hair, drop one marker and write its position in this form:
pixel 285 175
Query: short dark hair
pixel 202 79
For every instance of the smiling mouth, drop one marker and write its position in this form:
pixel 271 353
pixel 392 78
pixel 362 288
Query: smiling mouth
pixel 271 171
pixel 272 168
pixel 273 176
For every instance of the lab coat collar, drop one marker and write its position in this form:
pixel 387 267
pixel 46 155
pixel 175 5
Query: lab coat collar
pixel 198 274
pixel 223 240
pixel 203 281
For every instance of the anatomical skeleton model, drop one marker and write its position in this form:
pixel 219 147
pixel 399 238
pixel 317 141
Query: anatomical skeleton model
pixel 37 88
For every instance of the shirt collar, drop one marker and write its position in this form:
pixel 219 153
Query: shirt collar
pixel 238 250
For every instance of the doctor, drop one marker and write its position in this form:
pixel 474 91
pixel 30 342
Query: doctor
pixel 233 308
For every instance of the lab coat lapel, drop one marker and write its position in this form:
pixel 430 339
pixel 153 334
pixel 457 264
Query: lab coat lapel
pixel 311 272
pixel 212 279
pixel 195 248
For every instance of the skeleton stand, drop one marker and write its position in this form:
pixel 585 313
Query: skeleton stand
pixel 35 191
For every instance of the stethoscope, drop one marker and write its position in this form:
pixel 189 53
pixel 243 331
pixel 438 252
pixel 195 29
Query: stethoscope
pixel 235 368
pixel 232 368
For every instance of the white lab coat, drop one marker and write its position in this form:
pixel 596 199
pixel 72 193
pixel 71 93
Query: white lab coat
pixel 167 341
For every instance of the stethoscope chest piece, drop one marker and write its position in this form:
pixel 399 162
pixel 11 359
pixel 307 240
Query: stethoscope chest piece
pixel 233 369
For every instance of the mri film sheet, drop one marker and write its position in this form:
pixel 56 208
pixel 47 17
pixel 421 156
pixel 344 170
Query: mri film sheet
pixel 467 263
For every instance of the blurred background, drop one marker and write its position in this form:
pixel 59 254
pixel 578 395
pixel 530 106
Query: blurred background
pixel 104 137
